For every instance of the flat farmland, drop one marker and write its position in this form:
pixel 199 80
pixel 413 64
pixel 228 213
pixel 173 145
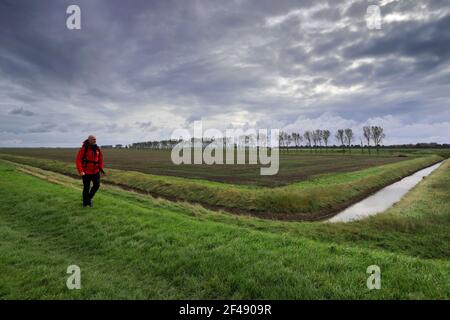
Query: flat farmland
pixel 295 166
pixel 132 246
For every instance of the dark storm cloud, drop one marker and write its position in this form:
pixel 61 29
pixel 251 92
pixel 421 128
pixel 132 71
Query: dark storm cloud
pixel 21 111
pixel 151 66
pixel 428 42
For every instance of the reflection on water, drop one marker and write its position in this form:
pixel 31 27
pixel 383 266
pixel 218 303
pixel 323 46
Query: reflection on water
pixel 383 199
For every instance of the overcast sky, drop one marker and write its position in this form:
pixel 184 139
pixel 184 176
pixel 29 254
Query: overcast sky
pixel 137 70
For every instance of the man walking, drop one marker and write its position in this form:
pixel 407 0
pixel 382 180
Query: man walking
pixel 89 165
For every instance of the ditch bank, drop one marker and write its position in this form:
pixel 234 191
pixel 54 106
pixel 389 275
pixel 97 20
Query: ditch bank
pixel 384 198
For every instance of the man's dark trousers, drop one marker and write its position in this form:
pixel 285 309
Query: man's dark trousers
pixel 89 194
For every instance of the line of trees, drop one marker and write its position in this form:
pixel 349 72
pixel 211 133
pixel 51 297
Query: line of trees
pixel 166 144
pixel 313 139
pixel 316 139
pixel 156 145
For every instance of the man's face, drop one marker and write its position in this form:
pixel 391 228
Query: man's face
pixel 92 140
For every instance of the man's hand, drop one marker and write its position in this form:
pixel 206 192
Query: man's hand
pixel 82 174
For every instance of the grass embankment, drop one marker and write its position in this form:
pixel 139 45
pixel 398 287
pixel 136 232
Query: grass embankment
pixel 418 225
pixel 312 199
pixel 133 246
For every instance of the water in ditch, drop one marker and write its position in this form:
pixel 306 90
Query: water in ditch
pixel 383 199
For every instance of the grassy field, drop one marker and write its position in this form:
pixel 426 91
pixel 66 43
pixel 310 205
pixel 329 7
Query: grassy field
pixel 295 166
pixel 312 199
pixel 135 246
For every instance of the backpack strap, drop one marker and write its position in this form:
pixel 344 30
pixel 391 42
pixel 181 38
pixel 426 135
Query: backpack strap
pixel 86 149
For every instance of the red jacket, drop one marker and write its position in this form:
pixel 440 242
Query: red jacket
pixel 89 167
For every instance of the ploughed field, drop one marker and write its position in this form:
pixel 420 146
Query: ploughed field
pixel 294 165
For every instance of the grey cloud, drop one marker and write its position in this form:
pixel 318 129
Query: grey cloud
pixel 21 111
pixel 146 125
pixel 188 60
pixel 328 14
pixel 358 9
pixel 409 39
pixel 43 128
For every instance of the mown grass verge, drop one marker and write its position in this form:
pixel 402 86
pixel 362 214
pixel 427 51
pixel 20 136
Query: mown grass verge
pixel 130 249
pixel 312 199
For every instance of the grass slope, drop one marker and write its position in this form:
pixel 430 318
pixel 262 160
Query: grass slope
pixel 131 246
pixel 308 200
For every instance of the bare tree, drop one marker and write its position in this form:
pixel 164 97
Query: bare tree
pixel 297 139
pixel 319 136
pixel 367 136
pixel 361 144
pixel 326 136
pixel 316 138
pixel 289 140
pixel 283 139
pixel 308 137
pixel 377 135
pixel 340 137
pixel 348 137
